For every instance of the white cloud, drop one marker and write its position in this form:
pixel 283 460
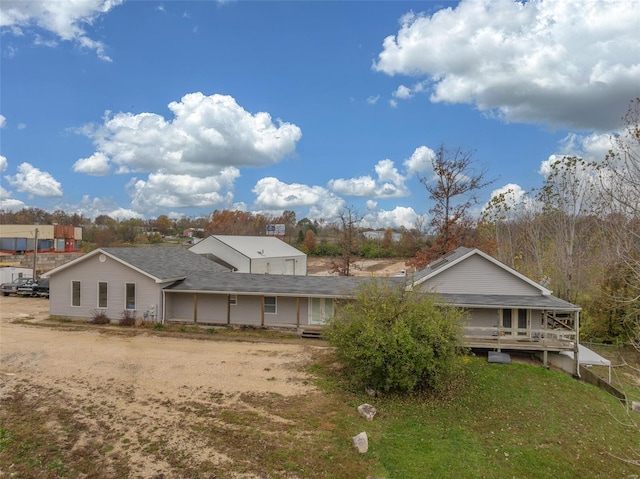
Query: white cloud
pixel 96 165
pixel 21 126
pixel 3 163
pixel 400 216
pixel 372 100
pixel 207 134
pixel 403 93
pixel 10 204
pixel 571 63
pixel 390 183
pixel 35 182
pixel 273 194
pixel 3 121
pixel 65 19
pixel 420 162
pixel 164 190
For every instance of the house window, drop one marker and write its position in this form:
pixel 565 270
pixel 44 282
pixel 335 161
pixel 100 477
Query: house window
pixel 75 293
pixel 270 304
pixel 233 299
pixel 522 321
pixel 102 295
pixel 130 296
pixel 506 318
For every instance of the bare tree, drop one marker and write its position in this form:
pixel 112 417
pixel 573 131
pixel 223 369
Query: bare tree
pixel 620 179
pixel 453 188
pixel 349 242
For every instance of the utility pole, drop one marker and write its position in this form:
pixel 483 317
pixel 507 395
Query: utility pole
pixel 35 255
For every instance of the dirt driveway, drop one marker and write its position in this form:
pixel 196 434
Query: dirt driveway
pixel 127 392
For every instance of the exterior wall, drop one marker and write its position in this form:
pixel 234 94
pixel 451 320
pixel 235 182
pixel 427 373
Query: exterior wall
pixel 280 265
pixel 481 318
pixel 225 253
pixel 50 238
pixel 247 311
pixel 212 309
pixel 476 275
pixel 92 271
pixel 9 273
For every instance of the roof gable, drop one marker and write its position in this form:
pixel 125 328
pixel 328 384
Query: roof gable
pixel 449 261
pixel 162 264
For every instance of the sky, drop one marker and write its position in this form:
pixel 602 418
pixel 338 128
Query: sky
pixel 136 109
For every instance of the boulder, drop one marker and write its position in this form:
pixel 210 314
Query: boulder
pixel 635 406
pixel 361 442
pixel 367 411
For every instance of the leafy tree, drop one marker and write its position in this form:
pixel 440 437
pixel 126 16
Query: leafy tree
pixel 393 340
pixel 453 188
pixel 309 242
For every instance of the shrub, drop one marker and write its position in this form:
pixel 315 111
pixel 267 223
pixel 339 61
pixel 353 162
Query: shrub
pixel 99 317
pixel 128 318
pixel 389 339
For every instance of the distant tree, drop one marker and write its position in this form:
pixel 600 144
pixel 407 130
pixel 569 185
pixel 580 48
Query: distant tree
pixel 620 180
pixel 453 189
pixel 348 239
pixel 310 242
pixel 163 224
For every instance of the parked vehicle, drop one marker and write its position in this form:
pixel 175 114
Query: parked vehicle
pixel 12 287
pixel 34 288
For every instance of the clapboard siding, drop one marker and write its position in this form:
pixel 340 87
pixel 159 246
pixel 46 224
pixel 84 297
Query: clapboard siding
pixel 477 275
pixel 91 272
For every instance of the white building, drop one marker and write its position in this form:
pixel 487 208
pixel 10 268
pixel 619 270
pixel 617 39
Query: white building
pixel 253 254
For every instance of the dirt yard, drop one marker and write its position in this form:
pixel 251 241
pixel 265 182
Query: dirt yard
pixel 142 404
pixel 362 267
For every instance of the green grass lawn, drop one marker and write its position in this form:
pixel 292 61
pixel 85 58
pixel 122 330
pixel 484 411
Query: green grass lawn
pixel 508 421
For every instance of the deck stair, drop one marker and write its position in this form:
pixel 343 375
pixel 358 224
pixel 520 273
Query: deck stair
pixel 311 333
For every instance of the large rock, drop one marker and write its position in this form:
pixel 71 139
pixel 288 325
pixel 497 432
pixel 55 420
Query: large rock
pixel 635 406
pixel 367 411
pixel 361 442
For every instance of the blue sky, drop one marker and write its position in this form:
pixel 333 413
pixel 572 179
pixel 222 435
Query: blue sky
pixel 145 108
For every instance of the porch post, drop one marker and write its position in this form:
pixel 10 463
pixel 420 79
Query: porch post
pixel 262 310
pixel 297 311
pixel 195 308
pixel 499 327
pixel 229 309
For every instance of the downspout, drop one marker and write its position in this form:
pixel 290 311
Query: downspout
pixel 576 344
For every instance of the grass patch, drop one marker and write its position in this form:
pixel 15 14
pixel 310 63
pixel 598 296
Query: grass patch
pixel 503 421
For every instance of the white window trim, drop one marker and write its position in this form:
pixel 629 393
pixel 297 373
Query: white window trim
pixel 135 297
pixel 275 305
pixel 98 295
pixel 79 293
pixel 233 299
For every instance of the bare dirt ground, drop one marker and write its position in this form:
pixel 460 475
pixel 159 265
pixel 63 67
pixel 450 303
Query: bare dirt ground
pixel 363 267
pixel 130 393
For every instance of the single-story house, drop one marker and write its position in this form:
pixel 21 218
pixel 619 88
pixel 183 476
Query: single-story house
pixel 253 254
pixel 507 310
pixel 112 280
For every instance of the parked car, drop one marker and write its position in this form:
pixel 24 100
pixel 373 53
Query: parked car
pixel 12 287
pixel 35 288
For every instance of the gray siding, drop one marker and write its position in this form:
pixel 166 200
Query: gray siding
pixel 212 309
pixel 92 271
pixel 481 318
pixel 477 275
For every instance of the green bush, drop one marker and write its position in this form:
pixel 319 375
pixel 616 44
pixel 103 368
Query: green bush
pixel 389 339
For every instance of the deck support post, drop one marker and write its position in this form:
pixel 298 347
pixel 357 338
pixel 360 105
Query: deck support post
pixel 195 308
pixel 545 357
